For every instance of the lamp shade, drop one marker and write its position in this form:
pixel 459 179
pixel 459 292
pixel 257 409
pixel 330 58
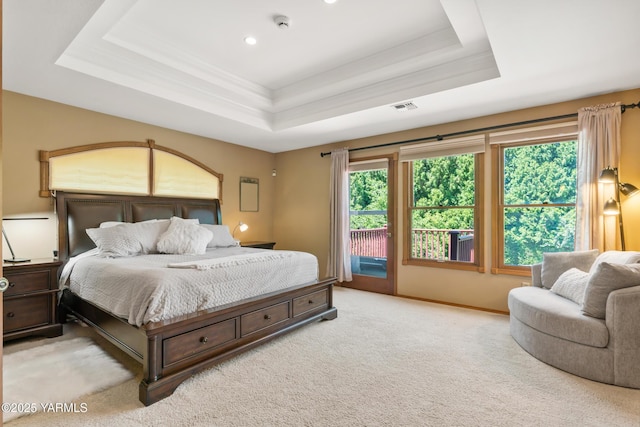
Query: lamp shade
pixel 611 207
pixel 241 226
pixel 607 175
pixel 628 190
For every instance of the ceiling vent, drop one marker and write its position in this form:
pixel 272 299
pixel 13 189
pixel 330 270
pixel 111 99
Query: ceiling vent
pixel 405 106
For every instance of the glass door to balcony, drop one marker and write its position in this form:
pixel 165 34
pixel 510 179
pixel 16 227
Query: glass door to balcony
pixel 372 219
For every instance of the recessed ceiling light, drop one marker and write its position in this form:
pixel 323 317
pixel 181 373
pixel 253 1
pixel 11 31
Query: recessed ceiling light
pixel 329 1
pixel 250 40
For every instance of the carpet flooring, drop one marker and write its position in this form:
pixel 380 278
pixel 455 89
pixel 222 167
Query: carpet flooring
pixel 38 378
pixel 385 361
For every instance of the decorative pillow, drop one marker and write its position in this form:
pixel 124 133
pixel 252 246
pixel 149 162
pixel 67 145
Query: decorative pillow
pixel 616 257
pixel 185 238
pixel 127 239
pixel 189 220
pixel 556 263
pixel 222 238
pixel 606 278
pixel 108 224
pixel 571 284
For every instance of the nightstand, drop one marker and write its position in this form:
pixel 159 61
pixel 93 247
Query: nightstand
pixel 30 302
pixel 258 244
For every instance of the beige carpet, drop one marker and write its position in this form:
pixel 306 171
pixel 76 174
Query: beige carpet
pixel 384 361
pixel 37 379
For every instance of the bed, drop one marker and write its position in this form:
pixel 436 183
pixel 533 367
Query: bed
pixel 173 349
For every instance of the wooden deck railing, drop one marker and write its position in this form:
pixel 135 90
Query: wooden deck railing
pixel 454 245
pixel 425 244
pixel 370 242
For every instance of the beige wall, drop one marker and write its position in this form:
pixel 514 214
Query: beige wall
pixel 293 205
pixel 301 203
pixel 33 124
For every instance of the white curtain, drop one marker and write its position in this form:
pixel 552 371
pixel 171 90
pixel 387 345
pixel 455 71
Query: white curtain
pixel 598 148
pixel 339 263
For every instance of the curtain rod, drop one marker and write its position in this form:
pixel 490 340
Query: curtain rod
pixel 485 129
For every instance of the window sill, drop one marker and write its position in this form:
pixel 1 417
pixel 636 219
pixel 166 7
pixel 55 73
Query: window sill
pixel 452 265
pixel 513 271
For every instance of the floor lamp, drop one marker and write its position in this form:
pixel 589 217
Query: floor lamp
pixel 612 206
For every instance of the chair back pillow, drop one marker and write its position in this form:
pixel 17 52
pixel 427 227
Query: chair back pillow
pixel 556 263
pixel 606 278
pixel 616 257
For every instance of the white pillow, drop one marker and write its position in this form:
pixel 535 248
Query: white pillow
pixel 556 263
pixel 127 239
pixel 571 284
pixel 189 220
pixel 108 224
pixel 606 278
pixel 185 238
pixel 222 238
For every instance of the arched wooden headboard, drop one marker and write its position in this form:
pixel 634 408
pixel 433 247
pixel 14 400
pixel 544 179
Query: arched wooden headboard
pixel 127 167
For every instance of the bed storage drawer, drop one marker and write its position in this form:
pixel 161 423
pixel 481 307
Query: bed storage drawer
pixel 26 312
pixel 309 302
pixel 180 347
pixel 260 319
pixel 22 283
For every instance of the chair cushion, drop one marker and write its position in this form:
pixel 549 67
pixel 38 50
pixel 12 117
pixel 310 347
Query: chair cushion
pixel 554 315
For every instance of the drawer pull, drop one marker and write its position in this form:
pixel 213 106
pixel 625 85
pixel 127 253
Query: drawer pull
pixel 267 317
pixel 204 340
pixel 10 314
pixel 310 301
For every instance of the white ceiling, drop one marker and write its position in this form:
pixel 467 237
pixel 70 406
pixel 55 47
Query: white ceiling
pixel 333 75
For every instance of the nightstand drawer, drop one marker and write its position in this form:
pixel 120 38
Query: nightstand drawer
pixel 30 300
pixel 32 281
pixel 26 312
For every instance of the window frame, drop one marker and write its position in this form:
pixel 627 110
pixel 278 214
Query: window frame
pixel 498 205
pixel 478 218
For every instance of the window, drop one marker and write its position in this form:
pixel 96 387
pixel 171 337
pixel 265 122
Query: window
pixel 536 197
pixel 127 167
pixel 443 203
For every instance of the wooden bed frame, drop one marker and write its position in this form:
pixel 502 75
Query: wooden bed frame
pixel 173 350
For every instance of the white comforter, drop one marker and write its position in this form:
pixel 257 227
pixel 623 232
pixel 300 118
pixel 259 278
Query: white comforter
pixel 145 288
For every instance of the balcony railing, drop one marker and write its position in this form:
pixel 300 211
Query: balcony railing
pixel 371 242
pixel 454 245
